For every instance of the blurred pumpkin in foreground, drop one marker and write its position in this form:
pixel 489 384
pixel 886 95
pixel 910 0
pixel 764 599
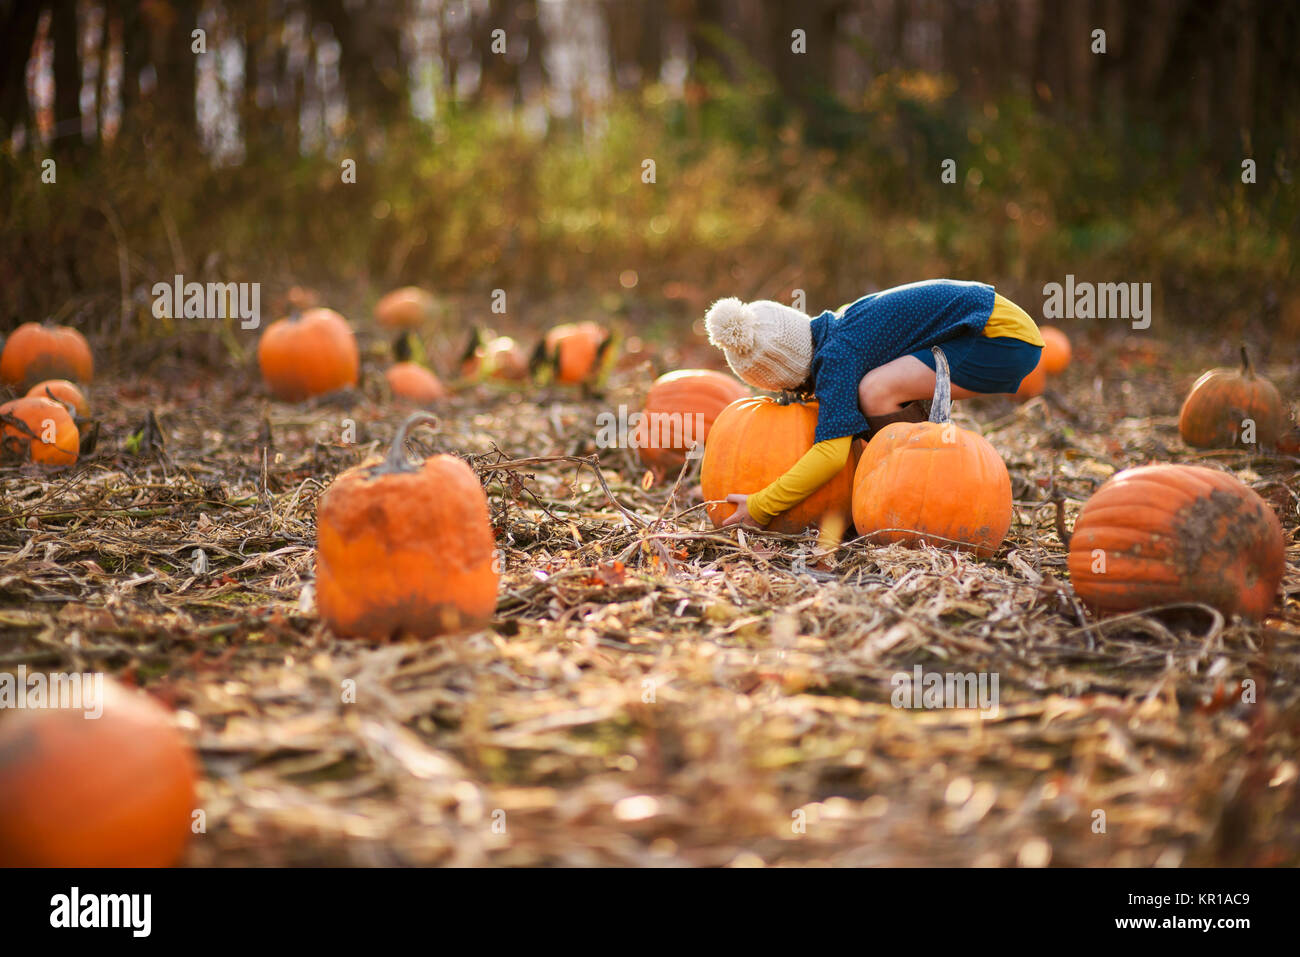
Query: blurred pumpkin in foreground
pixel 76 790
pixel 35 352
pixel 40 429
pixel 405 549
pixel 308 354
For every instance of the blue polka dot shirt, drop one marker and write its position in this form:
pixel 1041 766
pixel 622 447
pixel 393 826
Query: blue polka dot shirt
pixel 879 328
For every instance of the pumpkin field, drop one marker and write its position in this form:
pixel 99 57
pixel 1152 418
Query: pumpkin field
pixel 376 462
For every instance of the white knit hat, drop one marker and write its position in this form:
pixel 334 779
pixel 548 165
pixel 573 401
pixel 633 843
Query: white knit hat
pixel 768 344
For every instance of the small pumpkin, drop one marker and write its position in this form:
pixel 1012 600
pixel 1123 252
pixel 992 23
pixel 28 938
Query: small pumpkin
pixel 39 429
pixel 1160 534
pixel 35 352
pixel 308 354
pixel 1057 351
pixel 933 482
pixel 415 383
pixel 679 406
pixel 1214 413
pixel 752 443
pixel 493 357
pixel 405 308
pixel 405 549
pixel 117 790
pixel 61 390
pixel 574 353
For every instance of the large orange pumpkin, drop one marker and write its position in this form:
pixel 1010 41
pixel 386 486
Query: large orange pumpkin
pixel 35 352
pixel 1215 412
pixel 752 443
pixel 404 549
pixel 405 308
pixel 308 354
pixel 61 390
pixel 40 429
pixel 1160 534
pixel 573 353
pixel 82 791
pixel 415 383
pixel 933 482
pixel 682 405
pixel 1056 350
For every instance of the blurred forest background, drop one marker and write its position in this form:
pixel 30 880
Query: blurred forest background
pixel 524 169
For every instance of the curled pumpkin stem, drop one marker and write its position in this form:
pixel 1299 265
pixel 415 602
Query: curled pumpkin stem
pixel 941 407
pixel 396 460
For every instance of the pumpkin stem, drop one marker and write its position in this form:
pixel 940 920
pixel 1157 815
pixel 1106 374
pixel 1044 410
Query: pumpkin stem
pixel 941 407
pixel 396 460
pixel 1246 368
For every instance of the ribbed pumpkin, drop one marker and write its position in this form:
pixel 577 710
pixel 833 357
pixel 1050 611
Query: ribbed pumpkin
pixel 679 405
pixel 405 549
pixel 752 443
pixel 39 429
pixel 35 352
pixel 415 383
pixel 61 390
pixel 308 354
pixel 405 308
pixel 1213 413
pixel 1056 350
pixel 1160 534
pixel 110 791
pixel 933 482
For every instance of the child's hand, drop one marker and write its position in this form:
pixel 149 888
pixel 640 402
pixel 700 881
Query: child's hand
pixel 741 515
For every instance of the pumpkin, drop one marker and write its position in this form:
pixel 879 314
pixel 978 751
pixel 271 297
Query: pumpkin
pixel 1057 351
pixel 405 549
pixel 415 383
pixel 82 791
pixel 573 353
pixel 1036 382
pixel 307 354
pixel 1160 534
pixel 933 482
pixel 752 443
pixel 679 406
pixel 1213 414
pixel 493 357
pixel 35 352
pixel 61 390
pixel 40 429
pixel 405 308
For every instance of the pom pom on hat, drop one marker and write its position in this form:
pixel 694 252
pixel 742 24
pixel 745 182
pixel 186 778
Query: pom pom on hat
pixel 730 324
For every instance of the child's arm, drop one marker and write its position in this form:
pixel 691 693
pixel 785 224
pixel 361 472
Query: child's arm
pixel 817 467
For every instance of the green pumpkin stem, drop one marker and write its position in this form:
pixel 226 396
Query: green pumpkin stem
pixel 941 407
pixel 396 460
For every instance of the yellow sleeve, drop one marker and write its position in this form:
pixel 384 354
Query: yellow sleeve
pixel 1008 319
pixel 818 466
